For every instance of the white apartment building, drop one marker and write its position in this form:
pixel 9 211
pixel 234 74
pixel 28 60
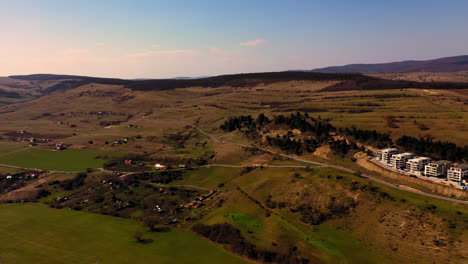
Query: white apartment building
pixel 416 165
pixel 398 161
pixel 437 168
pixel 458 173
pixel 386 154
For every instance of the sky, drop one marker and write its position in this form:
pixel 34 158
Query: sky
pixel 173 38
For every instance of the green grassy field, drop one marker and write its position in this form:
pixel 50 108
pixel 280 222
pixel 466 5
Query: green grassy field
pixel 67 160
pixel 31 233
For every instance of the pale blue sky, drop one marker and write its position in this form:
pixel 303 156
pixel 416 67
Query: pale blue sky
pixel 133 39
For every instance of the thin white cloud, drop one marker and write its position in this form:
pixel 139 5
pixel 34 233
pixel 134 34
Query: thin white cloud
pixel 155 53
pixel 215 51
pixel 74 52
pixel 253 43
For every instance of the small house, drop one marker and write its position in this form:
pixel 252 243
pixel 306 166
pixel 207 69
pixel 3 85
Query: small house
pixel 160 166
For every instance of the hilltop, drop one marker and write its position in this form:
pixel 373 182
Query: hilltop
pixel 446 64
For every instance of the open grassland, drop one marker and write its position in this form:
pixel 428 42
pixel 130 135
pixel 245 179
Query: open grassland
pixel 32 233
pixel 66 160
pixel 415 112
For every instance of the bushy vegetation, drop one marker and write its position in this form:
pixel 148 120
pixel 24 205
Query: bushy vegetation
pixel 342 148
pixel 370 137
pixel 76 182
pixel 296 146
pixel 225 233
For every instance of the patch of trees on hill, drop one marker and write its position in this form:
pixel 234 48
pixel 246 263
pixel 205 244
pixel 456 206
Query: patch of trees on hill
pixel 227 234
pixel 236 123
pixel 434 149
pixel 318 127
pixel 321 130
pixel 289 145
pixel 370 137
pixel 342 148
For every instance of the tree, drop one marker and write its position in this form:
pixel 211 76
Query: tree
pixel 152 223
pixel 138 235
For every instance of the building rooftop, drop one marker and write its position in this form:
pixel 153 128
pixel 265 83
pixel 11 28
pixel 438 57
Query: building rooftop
pixel 419 159
pixel 389 149
pixel 461 166
pixel 403 154
pixel 441 162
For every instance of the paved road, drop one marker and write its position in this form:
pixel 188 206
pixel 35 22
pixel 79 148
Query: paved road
pixel 36 169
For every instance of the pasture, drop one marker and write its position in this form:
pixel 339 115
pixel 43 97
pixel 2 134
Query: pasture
pixel 66 160
pixel 31 233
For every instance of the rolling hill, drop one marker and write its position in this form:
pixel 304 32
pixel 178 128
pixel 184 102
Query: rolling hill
pixel 284 212
pixel 447 64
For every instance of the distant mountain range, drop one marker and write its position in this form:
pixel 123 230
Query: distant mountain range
pixel 447 64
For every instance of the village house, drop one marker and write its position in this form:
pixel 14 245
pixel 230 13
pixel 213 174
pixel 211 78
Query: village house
pixel 458 173
pixel 160 166
pixel 60 146
pixel 437 168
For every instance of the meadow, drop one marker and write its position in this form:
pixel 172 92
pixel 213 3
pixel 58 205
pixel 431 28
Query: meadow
pixel 66 160
pixel 79 237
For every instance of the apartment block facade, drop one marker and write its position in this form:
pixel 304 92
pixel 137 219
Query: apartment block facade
pixel 437 168
pixel 458 173
pixel 416 165
pixel 386 154
pixel 398 161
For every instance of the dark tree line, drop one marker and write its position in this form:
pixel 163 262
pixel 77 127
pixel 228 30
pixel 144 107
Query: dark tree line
pixel 434 149
pixel 289 145
pixel 342 148
pixel 236 123
pixel 371 137
pixel 74 183
pixel 319 128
